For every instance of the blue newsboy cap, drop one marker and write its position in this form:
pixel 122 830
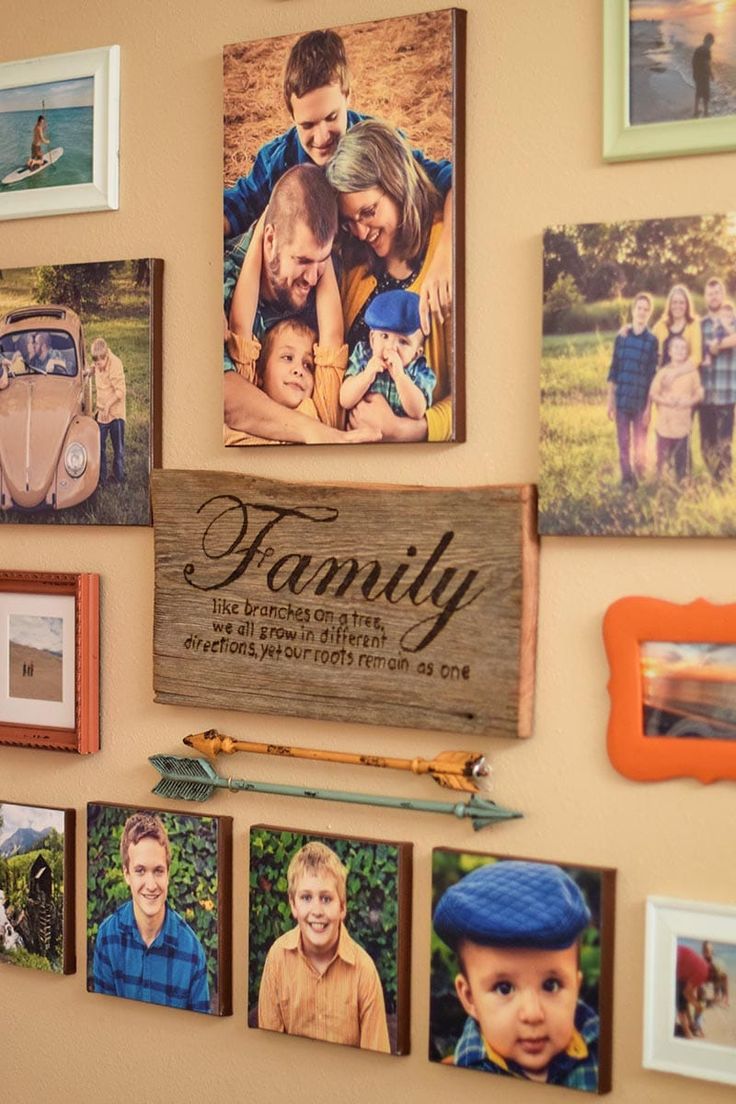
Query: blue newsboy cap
pixel 513 904
pixel 396 311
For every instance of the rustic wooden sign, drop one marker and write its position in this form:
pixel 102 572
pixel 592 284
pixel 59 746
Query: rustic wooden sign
pixel 404 606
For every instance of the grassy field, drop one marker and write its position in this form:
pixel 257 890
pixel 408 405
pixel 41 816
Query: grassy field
pixel 125 325
pixel 580 485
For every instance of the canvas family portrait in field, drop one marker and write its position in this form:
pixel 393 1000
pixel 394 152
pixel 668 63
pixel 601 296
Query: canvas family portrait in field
pixel 682 60
pixel 639 378
pixel 340 224
pixel 46 134
pixel 329 938
pixel 158 907
pixel 36 919
pixel 521 969
pixel 79 411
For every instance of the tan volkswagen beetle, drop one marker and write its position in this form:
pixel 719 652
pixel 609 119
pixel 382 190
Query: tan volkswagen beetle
pixel 49 440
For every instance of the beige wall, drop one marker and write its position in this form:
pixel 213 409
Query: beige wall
pixel 533 158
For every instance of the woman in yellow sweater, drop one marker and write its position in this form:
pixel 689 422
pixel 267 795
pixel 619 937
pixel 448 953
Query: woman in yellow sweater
pixel 679 320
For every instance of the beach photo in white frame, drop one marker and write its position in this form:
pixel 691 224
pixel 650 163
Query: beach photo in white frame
pixel 689 979
pixel 59 134
pixel 662 62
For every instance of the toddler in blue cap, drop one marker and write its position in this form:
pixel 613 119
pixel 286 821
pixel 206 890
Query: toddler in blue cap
pixel 516 927
pixel 392 363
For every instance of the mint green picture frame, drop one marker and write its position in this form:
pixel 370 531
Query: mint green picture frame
pixel 623 142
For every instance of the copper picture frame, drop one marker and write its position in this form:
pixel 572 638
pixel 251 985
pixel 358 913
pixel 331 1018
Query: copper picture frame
pixel 49 660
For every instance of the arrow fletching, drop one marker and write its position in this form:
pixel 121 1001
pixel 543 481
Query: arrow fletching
pixel 185 779
pixel 461 770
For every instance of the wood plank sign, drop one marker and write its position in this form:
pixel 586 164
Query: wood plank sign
pixel 407 606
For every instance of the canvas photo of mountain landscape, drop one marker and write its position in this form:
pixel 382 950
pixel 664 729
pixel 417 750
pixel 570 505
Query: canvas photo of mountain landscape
pixel 36 863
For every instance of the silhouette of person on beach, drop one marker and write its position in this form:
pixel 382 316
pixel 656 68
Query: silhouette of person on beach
pixel 40 137
pixel 702 75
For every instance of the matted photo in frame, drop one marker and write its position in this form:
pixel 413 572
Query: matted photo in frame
pixel 672 689
pixel 50 660
pixel 329 943
pixel 344 322
pixel 80 392
pixel 689 978
pixel 59 133
pixel 669 78
pixel 521 968
pixel 37 887
pixel 638 382
pixel 159 907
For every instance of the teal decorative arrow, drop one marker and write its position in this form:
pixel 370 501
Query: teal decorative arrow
pixel 190 779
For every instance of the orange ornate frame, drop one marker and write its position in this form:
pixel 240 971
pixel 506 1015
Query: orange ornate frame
pixel 628 623
pixel 84 737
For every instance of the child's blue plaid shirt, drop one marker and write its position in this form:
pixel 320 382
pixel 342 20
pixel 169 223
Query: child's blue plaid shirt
pixel 576 1067
pixel 418 372
pixel 172 971
pixel 718 377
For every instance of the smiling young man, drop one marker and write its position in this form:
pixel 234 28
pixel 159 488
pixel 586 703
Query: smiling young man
pixel 146 951
pixel 317 981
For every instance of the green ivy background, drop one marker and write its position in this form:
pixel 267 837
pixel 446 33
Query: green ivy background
pixel 193 877
pixel 372 900
pixel 447 1016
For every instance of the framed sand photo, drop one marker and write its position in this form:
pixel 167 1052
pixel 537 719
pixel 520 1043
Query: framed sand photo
pixel 638 383
pixel 672 689
pixel 59 133
pixel 689 978
pixel 80 382
pixel 49 660
pixel 345 324
pixel 329 942
pixel 159 907
pixel 37 887
pixel 522 969
pixel 669 78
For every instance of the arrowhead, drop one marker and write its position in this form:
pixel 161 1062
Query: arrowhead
pixel 485 813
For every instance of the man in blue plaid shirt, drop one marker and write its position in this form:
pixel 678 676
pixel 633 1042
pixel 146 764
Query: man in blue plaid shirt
pixel 633 366
pixel 146 951
pixel 718 376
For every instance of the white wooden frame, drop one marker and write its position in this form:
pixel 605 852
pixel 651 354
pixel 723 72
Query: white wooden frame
pixel 668 920
pixel 101 194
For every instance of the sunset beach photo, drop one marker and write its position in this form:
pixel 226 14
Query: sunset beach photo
pixel 682 60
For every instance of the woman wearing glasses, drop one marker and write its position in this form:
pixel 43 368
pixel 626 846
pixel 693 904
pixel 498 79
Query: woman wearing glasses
pixel 392 218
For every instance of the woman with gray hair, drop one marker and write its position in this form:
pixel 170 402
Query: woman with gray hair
pixel 391 215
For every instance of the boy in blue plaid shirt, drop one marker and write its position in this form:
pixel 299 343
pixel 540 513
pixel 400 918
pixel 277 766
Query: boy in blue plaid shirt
pixel 515 927
pixel 146 951
pixel 633 366
pixel 392 363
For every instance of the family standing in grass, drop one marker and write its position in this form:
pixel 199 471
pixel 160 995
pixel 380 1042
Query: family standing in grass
pixel 682 364
pixel 338 274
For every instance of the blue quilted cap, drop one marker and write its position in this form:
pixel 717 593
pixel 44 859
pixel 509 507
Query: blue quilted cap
pixel 395 311
pixel 513 904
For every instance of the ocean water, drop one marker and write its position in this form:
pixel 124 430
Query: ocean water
pixel 69 127
pixel 677 36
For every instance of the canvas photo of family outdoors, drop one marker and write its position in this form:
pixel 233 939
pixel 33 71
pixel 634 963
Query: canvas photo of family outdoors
pixel 329 940
pixel 80 369
pixel 522 969
pixel 638 382
pixel 158 907
pixel 343 231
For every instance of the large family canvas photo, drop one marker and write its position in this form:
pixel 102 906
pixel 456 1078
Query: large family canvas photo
pixel 521 969
pixel 37 887
pixel 80 365
pixel 638 378
pixel 342 234
pixel 158 907
pixel 329 940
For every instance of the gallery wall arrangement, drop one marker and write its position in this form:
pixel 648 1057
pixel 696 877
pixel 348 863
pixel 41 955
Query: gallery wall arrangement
pixel 334 633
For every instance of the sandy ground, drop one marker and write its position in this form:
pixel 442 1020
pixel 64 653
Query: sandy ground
pixel 719 1025
pixel 401 71
pixel 658 94
pixel 45 684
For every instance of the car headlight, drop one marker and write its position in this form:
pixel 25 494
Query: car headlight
pixel 75 459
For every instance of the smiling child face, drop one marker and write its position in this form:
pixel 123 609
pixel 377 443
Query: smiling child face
pixel 318 910
pixel 289 373
pixel 321 118
pixel 523 1000
pixel 148 878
